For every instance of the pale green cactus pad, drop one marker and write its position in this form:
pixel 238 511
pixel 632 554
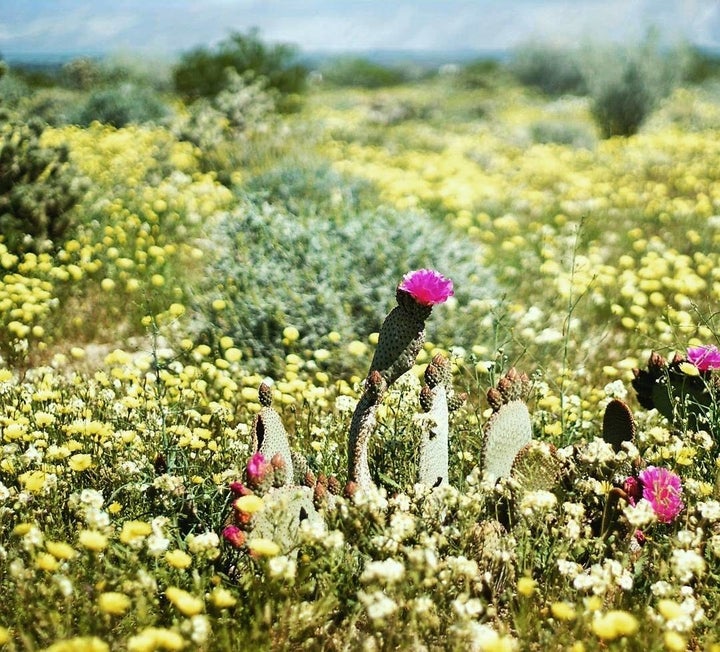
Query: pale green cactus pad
pixel 279 520
pixel 270 438
pixel 433 466
pixel 509 428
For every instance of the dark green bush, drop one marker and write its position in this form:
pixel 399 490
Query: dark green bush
pixel 481 73
pixel 552 70
pixel 38 188
pixel 202 72
pixel 308 252
pixel 361 73
pixel 121 106
pixel 627 84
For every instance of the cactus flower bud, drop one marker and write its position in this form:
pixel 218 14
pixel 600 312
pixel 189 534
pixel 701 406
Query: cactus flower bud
pixel 234 536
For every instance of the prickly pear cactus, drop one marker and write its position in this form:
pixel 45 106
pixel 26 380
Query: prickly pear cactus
pixel 618 424
pixel 401 338
pixel 509 428
pixel 537 467
pixel 269 436
pixel 682 398
pixel 285 508
pixel 437 399
pixel 362 426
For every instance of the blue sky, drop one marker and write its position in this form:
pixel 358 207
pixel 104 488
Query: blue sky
pixel 171 26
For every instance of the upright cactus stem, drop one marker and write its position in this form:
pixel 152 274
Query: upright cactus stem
pixel 437 399
pixel 362 426
pixel 400 340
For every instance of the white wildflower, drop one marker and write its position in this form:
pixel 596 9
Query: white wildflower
pixel 282 567
pixel 641 514
pixel 387 571
pixel 377 604
pixel 687 564
pixel 615 389
pixel 709 510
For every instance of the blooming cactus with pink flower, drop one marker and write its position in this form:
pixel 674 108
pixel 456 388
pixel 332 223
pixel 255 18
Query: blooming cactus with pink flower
pixel 427 286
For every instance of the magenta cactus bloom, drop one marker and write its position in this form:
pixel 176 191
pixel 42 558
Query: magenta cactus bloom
pixel 257 467
pixel 633 489
pixel 234 536
pixel 427 286
pixel 662 489
pixel 705 357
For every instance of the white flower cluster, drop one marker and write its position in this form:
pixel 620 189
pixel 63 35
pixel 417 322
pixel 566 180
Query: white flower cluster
pixel 641 514
pixel 537 503
pixel 157 543
pixel 377 604
pixel 206 544
pixel 282 567
pixel 599 578
pixel 387 571
pixel 687 564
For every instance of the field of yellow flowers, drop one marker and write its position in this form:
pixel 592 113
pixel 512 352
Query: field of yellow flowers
pixel 127 422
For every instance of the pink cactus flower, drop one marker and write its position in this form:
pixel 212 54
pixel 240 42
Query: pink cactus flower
pixel 257 468
pixel 239 489
pixel 427 286
pixel 662 489
pixel 633 489
pixel 234 536
pixel 705 357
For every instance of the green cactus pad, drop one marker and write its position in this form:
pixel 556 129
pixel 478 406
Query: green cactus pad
pixel 399 342
pixel 618 424
pixel 537 467
pixel 279 520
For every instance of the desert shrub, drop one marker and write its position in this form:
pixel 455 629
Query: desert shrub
pixel 627 84
pixel 702 66
pixel 38 187
pixel 121 106
pixel 12 89
pixel 561 132
pixel 80 74
pixel 308 252
pixel 552 70
pixel 362 73
pixel 481 73
pixel 55 106
pixel 225 128
pixel 202 72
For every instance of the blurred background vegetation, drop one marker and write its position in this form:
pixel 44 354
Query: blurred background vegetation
pixel 302 243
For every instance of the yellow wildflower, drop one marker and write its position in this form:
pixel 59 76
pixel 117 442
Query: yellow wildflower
pixel 186 603
pixel 263 547
pixel 60 550
pixel 178 559
pixel 113 603
pixel 92 540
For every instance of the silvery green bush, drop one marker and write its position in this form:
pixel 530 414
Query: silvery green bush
pixel 308 252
